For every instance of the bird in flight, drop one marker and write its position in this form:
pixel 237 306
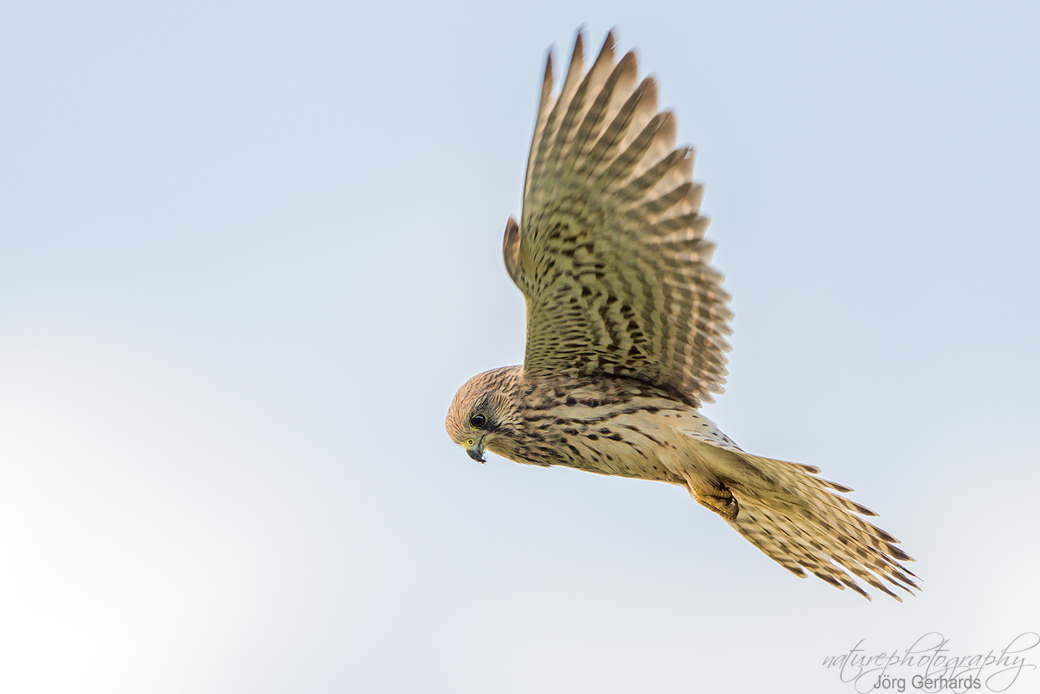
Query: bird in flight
pixel 626 326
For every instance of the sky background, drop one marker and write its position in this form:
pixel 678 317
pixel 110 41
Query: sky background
pixel 249 251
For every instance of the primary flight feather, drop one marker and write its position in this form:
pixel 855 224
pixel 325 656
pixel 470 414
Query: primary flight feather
pixel 626 326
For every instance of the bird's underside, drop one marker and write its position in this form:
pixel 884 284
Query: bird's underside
pixel 625 334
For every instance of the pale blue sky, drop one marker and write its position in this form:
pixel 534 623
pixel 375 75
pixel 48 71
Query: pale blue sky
pixel 248 251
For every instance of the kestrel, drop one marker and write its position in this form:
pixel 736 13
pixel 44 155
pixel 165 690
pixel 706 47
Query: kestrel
pixel 626 326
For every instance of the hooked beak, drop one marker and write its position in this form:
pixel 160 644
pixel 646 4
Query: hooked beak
pixel 476 450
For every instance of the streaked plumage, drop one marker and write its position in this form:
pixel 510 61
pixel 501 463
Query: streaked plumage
pixel 626 325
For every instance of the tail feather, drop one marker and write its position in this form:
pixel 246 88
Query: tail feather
pixel 796 519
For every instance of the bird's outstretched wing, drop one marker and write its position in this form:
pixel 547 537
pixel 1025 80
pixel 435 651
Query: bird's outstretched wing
pixel 610 253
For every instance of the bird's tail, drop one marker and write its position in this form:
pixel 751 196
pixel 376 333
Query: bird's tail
pixel 803 522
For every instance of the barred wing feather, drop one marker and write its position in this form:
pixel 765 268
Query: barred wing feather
pixel 610 255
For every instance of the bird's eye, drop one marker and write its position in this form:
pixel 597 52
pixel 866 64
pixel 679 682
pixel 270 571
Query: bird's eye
pixel 478 421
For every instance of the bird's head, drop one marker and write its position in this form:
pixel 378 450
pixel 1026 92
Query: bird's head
pixel 485 414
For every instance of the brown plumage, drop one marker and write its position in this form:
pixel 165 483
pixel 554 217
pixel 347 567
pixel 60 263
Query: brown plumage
pixel 626 326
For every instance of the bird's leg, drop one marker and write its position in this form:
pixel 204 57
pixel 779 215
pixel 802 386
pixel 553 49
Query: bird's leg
pixel 713 494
